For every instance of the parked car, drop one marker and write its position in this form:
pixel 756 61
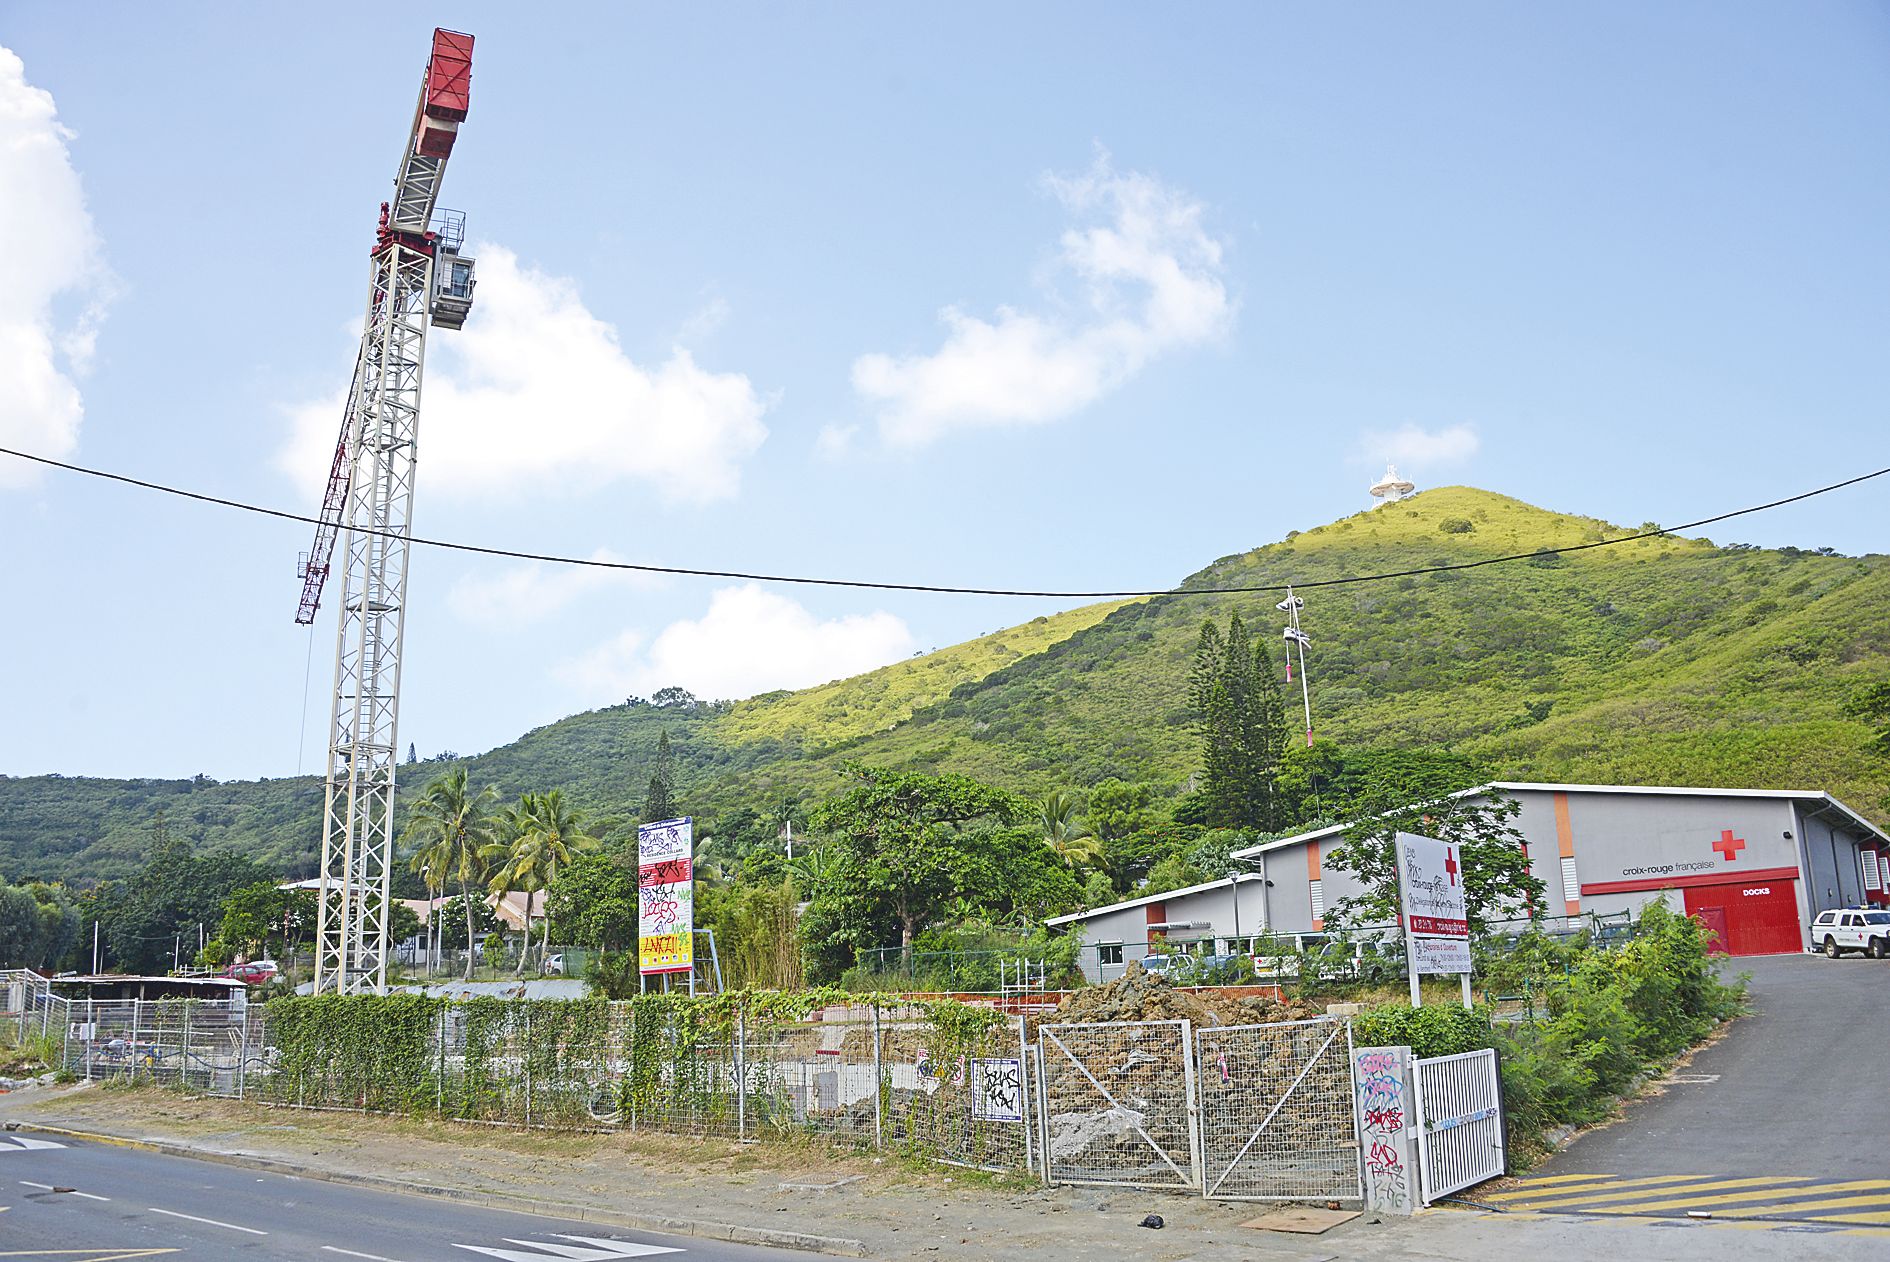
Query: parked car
pixel 253 972
pixel 555 964
pixel 1163 965
pixel 1865 929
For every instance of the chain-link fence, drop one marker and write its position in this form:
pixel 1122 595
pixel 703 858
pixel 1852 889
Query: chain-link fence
pixel 1119 1104
pixel 1261 1112
pixel 1277 1111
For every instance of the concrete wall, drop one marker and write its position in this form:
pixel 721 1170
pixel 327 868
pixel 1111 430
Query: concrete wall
pixel 1834 877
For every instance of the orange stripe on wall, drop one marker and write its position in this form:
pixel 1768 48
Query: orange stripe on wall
pixel 1565 846
pixel 1312 861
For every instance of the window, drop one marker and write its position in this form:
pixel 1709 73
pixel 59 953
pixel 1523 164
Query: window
pixel 1109 953
pixel 1318 898
pixel 1877 918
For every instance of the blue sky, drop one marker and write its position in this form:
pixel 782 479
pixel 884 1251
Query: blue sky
pixel 1066 295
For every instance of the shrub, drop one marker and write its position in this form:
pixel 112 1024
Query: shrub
pixel 1440 1030
pixel 1455 526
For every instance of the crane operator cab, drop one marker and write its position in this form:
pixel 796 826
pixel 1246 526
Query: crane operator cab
pixel 452 289
pixel 452 295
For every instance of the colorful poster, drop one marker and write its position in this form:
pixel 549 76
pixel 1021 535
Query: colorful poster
pixel 1430 883
pixel 666 897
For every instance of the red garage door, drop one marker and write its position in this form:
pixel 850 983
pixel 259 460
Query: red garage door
pixel 1758 917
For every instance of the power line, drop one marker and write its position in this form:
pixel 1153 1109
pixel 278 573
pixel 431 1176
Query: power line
pixel 932 588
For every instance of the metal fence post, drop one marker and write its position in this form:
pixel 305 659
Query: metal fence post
pixel 1192 1083
pixel 741 1073
pixel 879 1088
pixel 1026 1083
pixel 525 1058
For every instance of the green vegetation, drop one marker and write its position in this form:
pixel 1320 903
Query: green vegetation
pixel 1656 661
pixel 1610 1017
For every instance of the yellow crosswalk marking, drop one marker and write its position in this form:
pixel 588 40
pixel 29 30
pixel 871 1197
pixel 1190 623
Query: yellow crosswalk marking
pixel 1854 1218
pixel 1532 1195
pixel 1613 1192
pixel 1703 1202
pixel 1795 1207
pixel 1558 1178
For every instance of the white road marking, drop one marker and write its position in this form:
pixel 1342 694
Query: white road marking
pixel 20 1143
pixel 350 1253
pixel 211 1221
pixel 71 1191
pixel 601 1250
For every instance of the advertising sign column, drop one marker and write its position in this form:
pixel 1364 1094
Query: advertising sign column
pixel 666 899
pixel 1431 903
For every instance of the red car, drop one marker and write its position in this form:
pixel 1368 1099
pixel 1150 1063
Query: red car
pixel 254 973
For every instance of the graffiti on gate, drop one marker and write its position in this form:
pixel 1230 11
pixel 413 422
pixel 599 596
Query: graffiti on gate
pixel 999 1095
pixel 1378 1083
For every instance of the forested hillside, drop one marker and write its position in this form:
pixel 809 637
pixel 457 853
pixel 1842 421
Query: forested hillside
pixel 1661 660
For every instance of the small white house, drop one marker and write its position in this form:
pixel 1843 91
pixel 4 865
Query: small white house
pixel 1216 916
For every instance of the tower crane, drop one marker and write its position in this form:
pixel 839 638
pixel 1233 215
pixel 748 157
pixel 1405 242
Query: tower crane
pixel 417 277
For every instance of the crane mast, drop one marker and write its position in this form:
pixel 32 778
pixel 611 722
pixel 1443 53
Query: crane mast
pixel 416 277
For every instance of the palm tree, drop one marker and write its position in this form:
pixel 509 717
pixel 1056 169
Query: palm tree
pixel 1064 833
pixel 450 827
pixel 542 832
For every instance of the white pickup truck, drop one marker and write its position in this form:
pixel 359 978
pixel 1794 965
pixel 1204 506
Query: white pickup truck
pixel 1865 929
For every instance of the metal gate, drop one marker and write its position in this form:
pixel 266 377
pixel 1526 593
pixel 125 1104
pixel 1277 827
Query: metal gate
pixel 1118 1104
pixel 1459 1122
pixel 1277 1115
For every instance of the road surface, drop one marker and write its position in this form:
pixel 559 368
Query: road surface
pixel 85 1202
pixel 1784 1118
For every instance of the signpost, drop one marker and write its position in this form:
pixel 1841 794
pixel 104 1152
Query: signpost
pixel 1431 909
pixel 666 900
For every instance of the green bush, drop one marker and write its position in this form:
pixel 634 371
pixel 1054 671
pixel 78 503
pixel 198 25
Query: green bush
pixel 1440 1030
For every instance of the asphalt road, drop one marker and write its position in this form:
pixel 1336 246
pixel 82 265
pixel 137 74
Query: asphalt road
pixel 1782 1118
pixel 124 1203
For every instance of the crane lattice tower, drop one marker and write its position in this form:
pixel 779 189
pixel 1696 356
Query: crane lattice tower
pixel 417 276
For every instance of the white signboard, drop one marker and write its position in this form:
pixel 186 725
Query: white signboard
pixel 1436 925
pixel 1432 956
pixel 998 1090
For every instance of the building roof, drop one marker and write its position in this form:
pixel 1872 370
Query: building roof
pixel 1153 898
pixel 1825 800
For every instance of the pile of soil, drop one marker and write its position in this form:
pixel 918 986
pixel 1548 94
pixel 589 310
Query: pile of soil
pixel 1139 995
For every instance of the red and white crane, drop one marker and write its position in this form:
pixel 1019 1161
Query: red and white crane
pixel 417 277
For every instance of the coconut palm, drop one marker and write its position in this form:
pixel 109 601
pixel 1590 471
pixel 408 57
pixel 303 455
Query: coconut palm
pixel 1064 833
pixel 450 828
pixel 540 835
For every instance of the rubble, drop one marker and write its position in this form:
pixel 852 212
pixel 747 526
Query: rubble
pixel 1139 995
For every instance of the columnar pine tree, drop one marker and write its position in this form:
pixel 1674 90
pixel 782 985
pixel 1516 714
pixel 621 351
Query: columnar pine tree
pixel 1241 718
pixel 658 803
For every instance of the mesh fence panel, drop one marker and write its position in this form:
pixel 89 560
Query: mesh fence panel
pixel 1277 1112
pixel 1116 1102
pixel 970 1105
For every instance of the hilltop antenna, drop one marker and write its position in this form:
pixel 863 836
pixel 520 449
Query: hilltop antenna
pixel 1296 642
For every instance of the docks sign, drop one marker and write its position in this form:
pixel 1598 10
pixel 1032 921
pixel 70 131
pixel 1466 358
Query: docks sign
pixel 666 897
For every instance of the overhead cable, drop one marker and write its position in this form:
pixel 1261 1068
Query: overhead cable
pixel 515 554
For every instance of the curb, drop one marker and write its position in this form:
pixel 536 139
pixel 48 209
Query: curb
pixel 734 1233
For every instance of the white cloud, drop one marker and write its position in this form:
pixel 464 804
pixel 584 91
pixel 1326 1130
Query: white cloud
pixel 533 592
pixel 1419 448
pixel 49 263
pixel 835 442
pixel 535 393
pixel 1148 279
pixel 750 641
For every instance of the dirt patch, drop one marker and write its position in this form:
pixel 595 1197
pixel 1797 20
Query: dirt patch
pixel 1139 995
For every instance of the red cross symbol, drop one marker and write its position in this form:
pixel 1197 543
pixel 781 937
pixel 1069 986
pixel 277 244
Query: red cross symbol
pixel 1450 863
pixel 1728 844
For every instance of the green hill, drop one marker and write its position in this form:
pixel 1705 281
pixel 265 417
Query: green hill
pixel 1656 661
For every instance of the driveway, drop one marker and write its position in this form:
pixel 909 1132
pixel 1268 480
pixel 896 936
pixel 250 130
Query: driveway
pixel 1781 1119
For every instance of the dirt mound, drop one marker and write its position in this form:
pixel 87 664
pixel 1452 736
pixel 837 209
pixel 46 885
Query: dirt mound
pixel 1139 995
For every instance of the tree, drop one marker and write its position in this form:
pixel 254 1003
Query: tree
pixel 1117 808
pixel 899 836
pixel 145 919
pixel 39 925
pixel 542 833
pixel 1064 833
pixel 657 803
pixel 450 827
pixel 593 903
pixel 1497 884
pixel 1241 720
pixel 1871 704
